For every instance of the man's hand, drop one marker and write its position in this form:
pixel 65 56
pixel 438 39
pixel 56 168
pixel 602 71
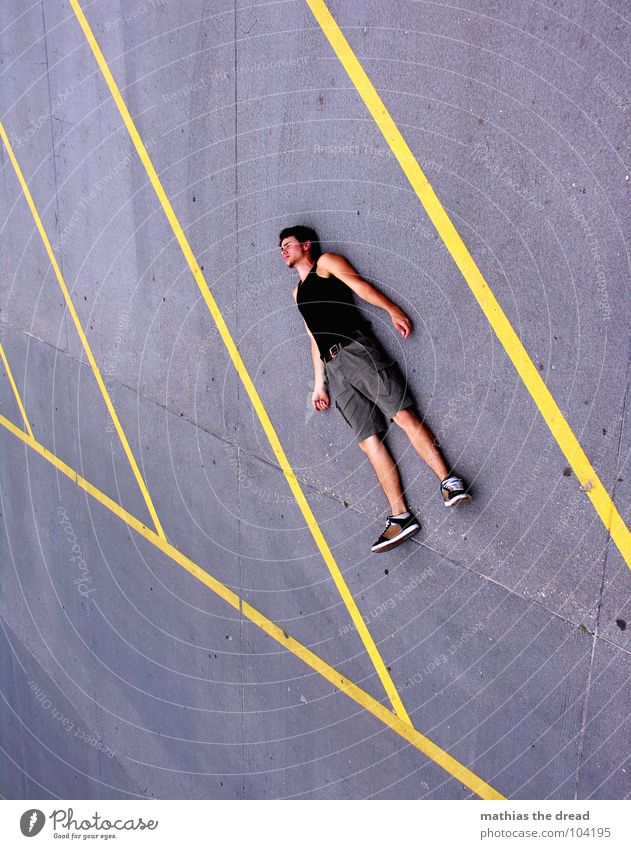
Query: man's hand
pixel 401 322
pixel 319 399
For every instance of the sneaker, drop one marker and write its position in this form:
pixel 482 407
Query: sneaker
pixel 397 530
pixel 453 489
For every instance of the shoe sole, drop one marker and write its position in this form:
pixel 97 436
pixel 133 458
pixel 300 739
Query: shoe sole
pixel 463 497
pixel 393 543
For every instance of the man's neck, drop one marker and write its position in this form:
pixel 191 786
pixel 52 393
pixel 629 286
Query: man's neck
pixel 304 267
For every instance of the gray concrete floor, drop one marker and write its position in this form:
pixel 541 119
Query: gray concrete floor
pixel 506 625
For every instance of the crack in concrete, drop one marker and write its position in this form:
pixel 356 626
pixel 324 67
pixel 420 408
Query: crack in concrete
pixel 53 154
pixel 238 447
pixel 328 493
pixel 596 635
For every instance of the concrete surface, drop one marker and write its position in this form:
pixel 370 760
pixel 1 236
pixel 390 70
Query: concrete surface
pixel 506 625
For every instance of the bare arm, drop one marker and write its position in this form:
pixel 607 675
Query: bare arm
pixel 319 397
pixel 344 271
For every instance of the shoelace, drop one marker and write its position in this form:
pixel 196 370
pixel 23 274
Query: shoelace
pixel 452 483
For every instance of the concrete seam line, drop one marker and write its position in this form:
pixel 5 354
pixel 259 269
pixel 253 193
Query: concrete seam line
pixel 242 371
pixel 82 336
pixel 401 727
pixel 541 395
pixel 7 368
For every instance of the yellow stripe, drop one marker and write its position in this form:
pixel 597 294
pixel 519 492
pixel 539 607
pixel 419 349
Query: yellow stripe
pixel 513 346
pixel 239 365
pixel 82 336
pixel 15 390
pixel 401 727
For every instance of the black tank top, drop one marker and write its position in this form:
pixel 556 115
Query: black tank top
pixel 328 308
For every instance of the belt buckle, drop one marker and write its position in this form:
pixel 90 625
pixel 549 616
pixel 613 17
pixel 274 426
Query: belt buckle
pixel 334 350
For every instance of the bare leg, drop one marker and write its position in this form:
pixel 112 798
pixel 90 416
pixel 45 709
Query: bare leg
pixel 423 441
pixel 386 471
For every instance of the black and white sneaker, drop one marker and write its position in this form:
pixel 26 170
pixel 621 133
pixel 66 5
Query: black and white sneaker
pixel 453 489
pixel 397 530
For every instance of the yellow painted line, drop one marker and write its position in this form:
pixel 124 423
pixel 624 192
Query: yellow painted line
pixel 242 371
pixel 7 368
pixel 513 346
pixel 82 336
pixel 401 727
pixel 74 476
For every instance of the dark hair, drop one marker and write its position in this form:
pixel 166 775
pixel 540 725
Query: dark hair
pixel 303 234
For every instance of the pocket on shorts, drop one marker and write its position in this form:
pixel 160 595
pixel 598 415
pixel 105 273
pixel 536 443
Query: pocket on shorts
pixel 391 380
pixel 377 356
pixel 342 413
pixel 394 391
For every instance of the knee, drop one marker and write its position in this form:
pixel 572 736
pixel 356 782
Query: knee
pixel 371 445
pixel 406 419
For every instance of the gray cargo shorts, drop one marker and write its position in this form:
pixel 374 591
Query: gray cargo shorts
pixel 366 386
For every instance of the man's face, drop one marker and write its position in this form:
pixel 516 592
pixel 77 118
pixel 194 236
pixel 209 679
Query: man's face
pixel 293 251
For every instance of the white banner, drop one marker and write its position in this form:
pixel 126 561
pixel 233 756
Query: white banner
pixel 279 824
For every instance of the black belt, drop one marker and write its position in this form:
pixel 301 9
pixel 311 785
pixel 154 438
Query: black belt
pixel 334 350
